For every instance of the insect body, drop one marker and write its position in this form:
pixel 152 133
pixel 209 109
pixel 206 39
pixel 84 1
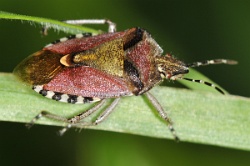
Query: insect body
pixel 84 69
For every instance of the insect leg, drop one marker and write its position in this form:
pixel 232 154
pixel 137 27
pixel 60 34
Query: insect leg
pixel 111 28
pixel 75 121
pixel 70 121
pixel 87 113
pixel 162 113
pixel 107 112
pixel 47 115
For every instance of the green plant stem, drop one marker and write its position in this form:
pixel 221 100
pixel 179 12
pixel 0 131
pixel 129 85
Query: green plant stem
pixel 198 116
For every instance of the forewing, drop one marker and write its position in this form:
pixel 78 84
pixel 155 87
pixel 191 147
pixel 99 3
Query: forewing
pixel 81 44
pixel 88 82
pixel 39 68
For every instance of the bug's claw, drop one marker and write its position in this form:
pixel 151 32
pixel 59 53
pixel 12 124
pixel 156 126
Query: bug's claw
pixel 32 122
pixel 29 125
pixel 63 130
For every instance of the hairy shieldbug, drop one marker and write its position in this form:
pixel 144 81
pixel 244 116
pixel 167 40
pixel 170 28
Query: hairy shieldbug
pixel 83 69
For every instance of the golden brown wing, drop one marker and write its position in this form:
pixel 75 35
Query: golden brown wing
pixel 39 68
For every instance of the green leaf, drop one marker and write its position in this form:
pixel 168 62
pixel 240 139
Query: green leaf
pixel 198 116
pixel 53 24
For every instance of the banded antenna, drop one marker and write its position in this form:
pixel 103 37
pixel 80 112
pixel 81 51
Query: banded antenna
pixel 209 62
pixel 213 62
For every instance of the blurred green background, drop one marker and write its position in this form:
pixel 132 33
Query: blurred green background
pixel 191 30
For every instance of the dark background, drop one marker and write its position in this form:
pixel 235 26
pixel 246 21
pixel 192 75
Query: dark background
pixel 191 30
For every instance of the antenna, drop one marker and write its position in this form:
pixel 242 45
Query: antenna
pixel 210 62
pixel 205 83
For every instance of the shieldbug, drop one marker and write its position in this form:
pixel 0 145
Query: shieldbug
pixel 84 69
